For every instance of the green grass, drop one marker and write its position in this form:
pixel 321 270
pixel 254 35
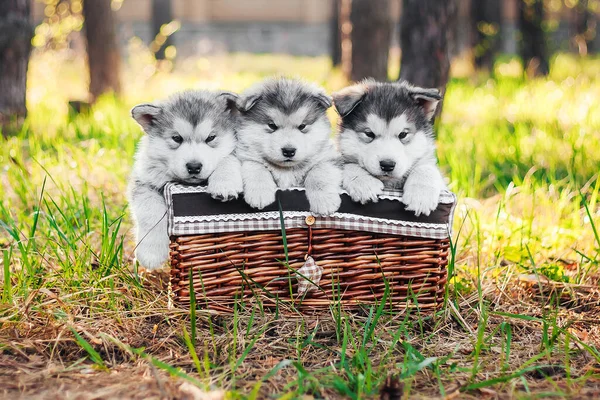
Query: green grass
pixel 520 320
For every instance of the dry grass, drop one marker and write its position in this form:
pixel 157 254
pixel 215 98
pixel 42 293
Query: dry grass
pixel 40 357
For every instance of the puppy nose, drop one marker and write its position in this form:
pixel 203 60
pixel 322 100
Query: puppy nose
pixel 387 165
pixel 193 168
pixel 288 151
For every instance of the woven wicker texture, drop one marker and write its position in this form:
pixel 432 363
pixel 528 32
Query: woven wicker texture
pixel 356 266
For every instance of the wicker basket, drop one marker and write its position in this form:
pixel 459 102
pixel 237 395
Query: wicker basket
pixel 236 253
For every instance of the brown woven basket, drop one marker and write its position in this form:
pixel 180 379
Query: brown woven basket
pixel 364 252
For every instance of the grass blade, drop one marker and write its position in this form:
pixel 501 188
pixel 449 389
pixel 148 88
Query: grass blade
pixel 192 350
pixel 192 308
pixel 94 355
pixel 591 217
pixel 173 371
pixel 283 235
pixel 7 292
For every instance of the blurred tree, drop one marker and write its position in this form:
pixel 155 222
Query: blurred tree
pixel 336 33
pixel 16 32
pixel 161 15
pixel 345 39
pixel 485 15
pixel 103 53
pixel 533 41
pixel 370 37
pixel 585 27
pixel 427 28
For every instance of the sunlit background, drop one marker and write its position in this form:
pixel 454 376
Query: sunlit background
pixel 518 142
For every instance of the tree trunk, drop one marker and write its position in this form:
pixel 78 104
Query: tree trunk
pixel 103 53
pixel 371 31
pixel 345 39
pixel 585 27
pixel 426 30
pixel 533 44
pixel 161 15
pixel 336 33
pixel 485 15
pixel 16 32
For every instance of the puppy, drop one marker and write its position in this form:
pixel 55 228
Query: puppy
pixel 190 138
pixel 283 141
pixel 386 140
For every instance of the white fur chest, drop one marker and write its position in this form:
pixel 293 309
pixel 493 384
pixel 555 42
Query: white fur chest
pixel 287 178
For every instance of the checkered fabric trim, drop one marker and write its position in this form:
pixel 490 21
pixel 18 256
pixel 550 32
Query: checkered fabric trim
pixel 269 221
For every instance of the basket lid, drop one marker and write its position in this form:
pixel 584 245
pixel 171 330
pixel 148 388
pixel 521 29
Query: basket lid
pixel 192 211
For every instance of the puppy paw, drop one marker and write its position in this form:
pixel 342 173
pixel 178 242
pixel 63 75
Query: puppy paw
pixel 421 199
pixel 225 189
pixel 363 189
pixel 152 254
pixel 259 197
pixel 324 203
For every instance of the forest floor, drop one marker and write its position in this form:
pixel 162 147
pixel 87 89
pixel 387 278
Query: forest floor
pixel 522 316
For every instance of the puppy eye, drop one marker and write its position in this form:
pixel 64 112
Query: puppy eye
pixel 403 134
pixel 177 139
pixel 369 134
pixel 302 127
pixel 210 138
pixel 272 126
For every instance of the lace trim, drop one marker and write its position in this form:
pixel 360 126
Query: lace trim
pixel 274 215
pixel 175 188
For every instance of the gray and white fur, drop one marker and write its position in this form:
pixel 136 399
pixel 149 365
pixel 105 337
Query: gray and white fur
pixel 386 140
pixel 284 141
pixel 190 138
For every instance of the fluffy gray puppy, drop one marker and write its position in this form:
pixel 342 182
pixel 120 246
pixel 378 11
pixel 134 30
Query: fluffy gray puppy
pixel 386 140
pixel 190 138
pixel 284 141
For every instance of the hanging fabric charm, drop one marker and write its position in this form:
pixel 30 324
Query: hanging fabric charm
pixel 309 276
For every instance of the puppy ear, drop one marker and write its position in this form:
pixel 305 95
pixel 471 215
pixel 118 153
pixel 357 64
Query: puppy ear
pixel 230 100
pixel 427 99
pixel 323 100
pixel 346 100
pixel 246 103
pixel 146 115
